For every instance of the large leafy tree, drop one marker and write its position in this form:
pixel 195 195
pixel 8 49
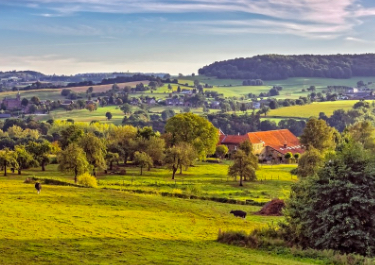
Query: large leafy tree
pixel 178 156
pixel 71 134
pixel 112 158
pixel 95 151
pixel 243 166
pixel 121 140
pixel 317 134
pixel 335 210
pixel 363 132
pixel 23 158
pixel 40 152
pixel 310 162
pixel 195 130
pixel 7 158
pixel 73 159
pixel 142 160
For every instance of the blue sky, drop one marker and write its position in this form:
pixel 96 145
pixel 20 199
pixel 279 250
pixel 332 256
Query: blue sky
pixel 175 36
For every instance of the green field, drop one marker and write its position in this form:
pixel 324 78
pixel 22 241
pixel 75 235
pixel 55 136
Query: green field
pixel 292 87
pixel 70 225
pixel 84 115
pixel 313 109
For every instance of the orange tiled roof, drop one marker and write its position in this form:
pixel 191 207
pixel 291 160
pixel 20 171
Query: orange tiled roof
pixel 282 141
pixel 233 139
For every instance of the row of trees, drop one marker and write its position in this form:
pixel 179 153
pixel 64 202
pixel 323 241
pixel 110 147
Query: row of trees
pixel 79 149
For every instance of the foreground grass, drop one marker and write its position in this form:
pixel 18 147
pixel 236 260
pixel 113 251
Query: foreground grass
pixel 67 225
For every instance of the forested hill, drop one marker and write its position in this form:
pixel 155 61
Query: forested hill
pixel 275 67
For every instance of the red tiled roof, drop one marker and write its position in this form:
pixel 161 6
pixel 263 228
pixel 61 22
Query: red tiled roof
pixel 283 141
pixel 277 140
pixel 234 139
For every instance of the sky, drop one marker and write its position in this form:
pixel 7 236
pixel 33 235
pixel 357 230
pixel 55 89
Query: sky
pixel 174 36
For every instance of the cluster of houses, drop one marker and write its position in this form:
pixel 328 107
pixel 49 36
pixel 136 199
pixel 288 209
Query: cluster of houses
pixel 358 93
pixel 268 146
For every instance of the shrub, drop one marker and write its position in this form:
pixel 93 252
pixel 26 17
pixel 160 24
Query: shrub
pixel 87 180
pixel 193 189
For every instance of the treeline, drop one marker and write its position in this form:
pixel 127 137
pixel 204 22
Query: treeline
pixel 277 67
pixel 81 147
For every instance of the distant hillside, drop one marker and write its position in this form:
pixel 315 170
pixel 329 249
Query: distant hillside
pixel 276 67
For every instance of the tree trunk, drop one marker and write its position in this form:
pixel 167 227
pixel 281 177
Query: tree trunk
pixel 141 171
pixel 174 170
pixel 19 171
pixel 241 180
pixel 94 172
pixel 75 175
pixel 43 167
pixel 5 168
pixel 111 165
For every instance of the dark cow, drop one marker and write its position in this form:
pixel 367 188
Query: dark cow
pixel 38 187
pixel 238 213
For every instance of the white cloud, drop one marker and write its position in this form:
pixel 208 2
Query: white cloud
pixel 308 18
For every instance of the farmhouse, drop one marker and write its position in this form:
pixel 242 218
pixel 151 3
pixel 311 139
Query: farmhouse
pixel 13 103
pixel 269 146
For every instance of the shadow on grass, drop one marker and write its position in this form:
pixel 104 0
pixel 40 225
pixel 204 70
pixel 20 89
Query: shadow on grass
pixel 105 250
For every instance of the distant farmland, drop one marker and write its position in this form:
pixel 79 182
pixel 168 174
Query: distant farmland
pixel 312 109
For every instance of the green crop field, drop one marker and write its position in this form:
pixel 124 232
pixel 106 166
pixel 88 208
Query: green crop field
pixel 313 109
pixel 70 225
pixel 85 115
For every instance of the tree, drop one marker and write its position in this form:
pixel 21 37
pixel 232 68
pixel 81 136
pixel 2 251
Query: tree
pixel 363 132
pixel 111 158
pixel 40 152
pixel 71 134
pixel 65 92
pixel 73 159
pixel 221 151
pixel 90 90
pixel 155 147
pixel 335 210
pixel 24 102
pixel 317 134
pixel 126 108
pixel 242 166
pixel 35 100
pixel 108 115
pixel 141 159
pixel 23 158
pixel 95 151
pixel 182 154
pixel 120 140
pixel 33 108
pixel 91 107
pixel 309 163
pixel 7 158
pixel 168 113
pixel 195 130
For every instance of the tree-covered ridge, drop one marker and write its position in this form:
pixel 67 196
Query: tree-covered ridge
pixel 275 67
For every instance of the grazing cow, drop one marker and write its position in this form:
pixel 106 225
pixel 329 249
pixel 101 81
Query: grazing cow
pixel 38 187
pixel 238 213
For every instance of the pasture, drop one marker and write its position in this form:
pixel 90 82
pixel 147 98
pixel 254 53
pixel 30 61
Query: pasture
pixel 74 225
pixel 313 109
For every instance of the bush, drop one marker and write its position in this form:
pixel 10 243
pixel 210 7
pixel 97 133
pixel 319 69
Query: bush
pixel 87 180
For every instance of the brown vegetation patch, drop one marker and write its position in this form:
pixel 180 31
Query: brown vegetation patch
pixel 273 208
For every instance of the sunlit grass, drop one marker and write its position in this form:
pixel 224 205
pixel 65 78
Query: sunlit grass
pixel 69 225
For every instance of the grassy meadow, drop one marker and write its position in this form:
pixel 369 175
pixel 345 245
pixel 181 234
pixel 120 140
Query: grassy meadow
pixel 72 225
pixel 313 109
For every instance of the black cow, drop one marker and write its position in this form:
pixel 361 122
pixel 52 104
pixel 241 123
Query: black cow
pixel 238 213
pixel 38 187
